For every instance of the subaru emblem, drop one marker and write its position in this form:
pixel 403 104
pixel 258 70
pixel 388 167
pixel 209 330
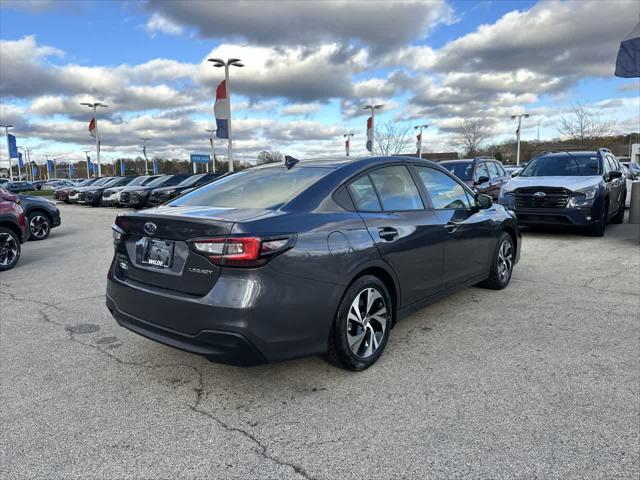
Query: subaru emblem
pixel 150 228
pixel 539 195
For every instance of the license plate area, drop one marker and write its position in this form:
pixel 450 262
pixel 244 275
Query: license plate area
pixel 157 253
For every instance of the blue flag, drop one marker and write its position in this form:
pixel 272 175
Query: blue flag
pixel 49 166
pixel 70 170
pixel 20 163
pixel 34 171
pixel 95 169
pixel 121 168
pixel 628 61
pixel 155 166
pixel 13 148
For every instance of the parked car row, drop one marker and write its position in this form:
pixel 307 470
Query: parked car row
pixel 22 218
pixel 133 192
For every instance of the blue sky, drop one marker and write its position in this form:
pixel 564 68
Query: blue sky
pixel 310 66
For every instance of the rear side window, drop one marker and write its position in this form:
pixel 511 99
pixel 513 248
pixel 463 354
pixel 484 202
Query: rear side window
pixel 396 188
pixel 444 191
pixel 494 170
pixel 264 188
pixel 363 195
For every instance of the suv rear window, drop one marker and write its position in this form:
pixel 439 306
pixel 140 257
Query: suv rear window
pixel 264 188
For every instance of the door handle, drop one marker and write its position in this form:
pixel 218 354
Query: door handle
pixel 388 233
pixel 451 227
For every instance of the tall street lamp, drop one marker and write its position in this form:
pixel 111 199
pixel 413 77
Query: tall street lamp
pixel 94 105
pixel 144 152
pixel 235 62
pixel 371 129
pixel 213 149
pixel 347 143
pixel 519 117
pixel 6 131
pixel 420 127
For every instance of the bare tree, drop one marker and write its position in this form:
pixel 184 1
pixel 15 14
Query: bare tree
pixel 470 136
pixel 392 139
pixel 583 126
pixel 269 156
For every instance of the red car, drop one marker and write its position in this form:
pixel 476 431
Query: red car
pixel 13 230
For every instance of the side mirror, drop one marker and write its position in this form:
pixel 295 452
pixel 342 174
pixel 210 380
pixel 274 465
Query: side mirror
pixel 484 201
pixel 615 174
pixel 481 180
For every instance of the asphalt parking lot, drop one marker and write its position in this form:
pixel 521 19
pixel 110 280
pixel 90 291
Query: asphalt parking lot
pixel 541 380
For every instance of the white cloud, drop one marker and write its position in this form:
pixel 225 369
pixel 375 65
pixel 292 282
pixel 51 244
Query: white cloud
pixel 301 109
pixel 158 23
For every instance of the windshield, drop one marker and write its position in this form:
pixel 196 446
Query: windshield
pixel 265 188
pixel 112 181
pixel 138 180
pixel 102 181
pixel 158 182
pixel 187 182
pixel 562 166
pixel 462 170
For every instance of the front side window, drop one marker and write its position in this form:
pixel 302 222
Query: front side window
pixel 481 171
pixel 396 188
pixel 494 172
pixel 264 188
pixel 444 191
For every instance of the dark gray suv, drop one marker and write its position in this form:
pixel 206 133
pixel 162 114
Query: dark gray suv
pixel 282 261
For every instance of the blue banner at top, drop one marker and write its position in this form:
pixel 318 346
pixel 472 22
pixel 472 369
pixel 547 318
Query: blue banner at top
pixel 121 168
pixel 50 166
pixel 13 147
pixel 34 171
pixel 95 169
pixel 20 162
pixel 155 166
pixel 200 158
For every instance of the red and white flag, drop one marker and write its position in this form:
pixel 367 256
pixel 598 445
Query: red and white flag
pixel 418 142
pixel 347 146
pixel 370 134
pixel 222 111
pixel 92 127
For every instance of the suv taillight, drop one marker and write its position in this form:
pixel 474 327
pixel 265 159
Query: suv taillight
pixel 243 251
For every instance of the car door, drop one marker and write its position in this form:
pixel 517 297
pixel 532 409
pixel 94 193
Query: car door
pixel 408 236
pixel 471 232
pixel 496 179
pixel 616 185
pixel 482 186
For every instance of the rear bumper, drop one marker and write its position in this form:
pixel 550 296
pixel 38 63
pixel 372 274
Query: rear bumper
pixel 556 216
pixel 248 317
pixel 217 346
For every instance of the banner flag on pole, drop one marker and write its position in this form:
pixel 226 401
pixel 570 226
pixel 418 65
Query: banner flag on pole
pixel 221 110
pixel 20 162
pixel 92 127
pixel 628 61
pixel 50 166
pixel 418 139
pixel 13 148
pixel 155 166
pixel 34 171
pixel 121 168
pixel 71 170
pixel 95 168
pixel 370 134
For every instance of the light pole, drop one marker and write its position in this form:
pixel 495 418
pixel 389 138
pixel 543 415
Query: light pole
pixel 420 127
pixel 347 143
pixel 213 149
pixel 94 105
pixel 6 131
pixel 519 117
pixel 144 151
pixel 218 62
pixel 371 129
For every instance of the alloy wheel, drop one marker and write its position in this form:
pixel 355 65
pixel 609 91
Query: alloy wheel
pixel 505 260
pixel 39 226
pixel 366 322
pixel 8 249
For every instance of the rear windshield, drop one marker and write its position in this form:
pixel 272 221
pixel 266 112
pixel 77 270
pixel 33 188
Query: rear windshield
pixel 187 182
pixel 158 182
pixel 265 188
pixel 562 166
pixel 462 170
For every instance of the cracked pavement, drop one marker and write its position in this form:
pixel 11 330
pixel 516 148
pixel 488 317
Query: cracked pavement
pixel 540 380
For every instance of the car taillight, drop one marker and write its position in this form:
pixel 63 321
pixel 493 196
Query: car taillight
pixel 243 251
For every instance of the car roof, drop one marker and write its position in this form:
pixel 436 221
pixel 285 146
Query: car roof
pixel 335 163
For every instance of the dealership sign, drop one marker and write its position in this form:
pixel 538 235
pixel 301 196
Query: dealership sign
pixel 200 158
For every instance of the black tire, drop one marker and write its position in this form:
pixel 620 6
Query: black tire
pixel 368 335
pixel 599 226
pixel 501 264
pixel 39 226
pixel 619 217
pixel 9 249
